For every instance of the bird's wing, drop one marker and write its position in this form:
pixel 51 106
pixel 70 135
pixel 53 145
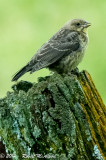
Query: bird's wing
pixel 58 46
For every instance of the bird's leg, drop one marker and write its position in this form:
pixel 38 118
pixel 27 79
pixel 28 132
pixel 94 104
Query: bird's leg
pixel 74 72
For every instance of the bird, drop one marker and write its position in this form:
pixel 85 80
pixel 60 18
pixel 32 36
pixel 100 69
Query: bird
pixel 62 52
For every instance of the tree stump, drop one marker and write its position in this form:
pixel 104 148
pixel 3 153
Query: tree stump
pixel 62 117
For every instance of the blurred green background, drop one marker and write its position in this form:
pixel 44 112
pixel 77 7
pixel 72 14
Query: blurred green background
pixel 26 24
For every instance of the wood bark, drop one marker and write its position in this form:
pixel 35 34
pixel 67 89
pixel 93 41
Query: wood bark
pixel 61 117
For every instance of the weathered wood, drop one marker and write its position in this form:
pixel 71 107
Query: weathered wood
pixel 61 117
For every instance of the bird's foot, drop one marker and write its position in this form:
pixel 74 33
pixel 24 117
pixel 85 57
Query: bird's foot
pixel 75 71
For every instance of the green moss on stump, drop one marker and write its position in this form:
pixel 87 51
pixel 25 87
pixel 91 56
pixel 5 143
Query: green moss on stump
pixel 50 117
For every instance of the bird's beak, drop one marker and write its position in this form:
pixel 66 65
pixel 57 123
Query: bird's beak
pixel 87 25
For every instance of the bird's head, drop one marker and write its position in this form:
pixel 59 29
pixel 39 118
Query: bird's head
pixel 78 25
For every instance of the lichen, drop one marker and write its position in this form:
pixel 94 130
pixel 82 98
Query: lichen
pixel 97 153
pixel 54 117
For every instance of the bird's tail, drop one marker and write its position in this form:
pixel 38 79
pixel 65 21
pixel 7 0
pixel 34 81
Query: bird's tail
pixel 20 73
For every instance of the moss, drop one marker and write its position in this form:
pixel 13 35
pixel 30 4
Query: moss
pixel 52 118
pixel 95 111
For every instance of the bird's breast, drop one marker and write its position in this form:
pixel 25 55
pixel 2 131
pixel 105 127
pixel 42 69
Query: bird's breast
pixel 83 38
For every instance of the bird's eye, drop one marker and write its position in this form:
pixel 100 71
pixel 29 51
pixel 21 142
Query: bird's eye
pixel 78 24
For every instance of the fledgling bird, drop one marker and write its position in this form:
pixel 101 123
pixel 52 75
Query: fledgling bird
pixel 63 52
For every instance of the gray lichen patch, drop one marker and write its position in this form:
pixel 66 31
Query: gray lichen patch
pixel 97 153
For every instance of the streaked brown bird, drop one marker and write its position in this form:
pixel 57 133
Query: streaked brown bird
pixel 63 52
